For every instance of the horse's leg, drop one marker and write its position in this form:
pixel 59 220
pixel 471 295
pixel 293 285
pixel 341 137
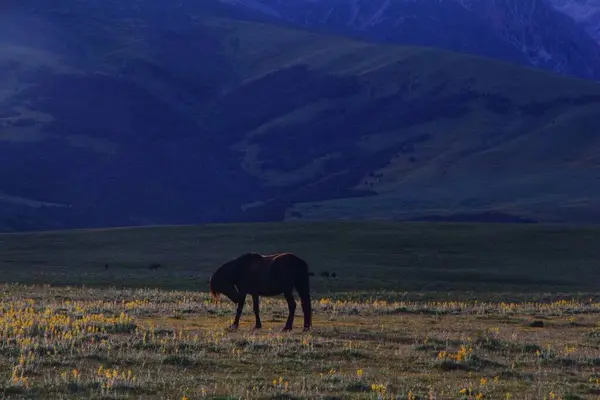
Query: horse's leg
pixel 238 312
pixel 303 288
pixel 289 297
pixel 255 305
pixel 306 310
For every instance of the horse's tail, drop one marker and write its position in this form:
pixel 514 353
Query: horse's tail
pixel 303 288
pixel 302 278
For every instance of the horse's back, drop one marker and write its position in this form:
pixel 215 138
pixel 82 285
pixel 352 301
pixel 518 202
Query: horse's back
pixel 277 273
pixel 288 259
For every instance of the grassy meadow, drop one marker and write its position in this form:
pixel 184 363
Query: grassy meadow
pixel 417 311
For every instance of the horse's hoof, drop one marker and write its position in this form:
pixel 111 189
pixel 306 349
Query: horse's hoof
pixel 232 328
pixel 286 329
pixel 306 329
pixel 256 328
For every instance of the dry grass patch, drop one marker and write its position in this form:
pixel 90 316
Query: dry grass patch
pixel 83 343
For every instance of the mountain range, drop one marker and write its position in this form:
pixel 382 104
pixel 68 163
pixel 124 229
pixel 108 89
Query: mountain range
pixel 552 36
pixel 139 112
pixel 584 12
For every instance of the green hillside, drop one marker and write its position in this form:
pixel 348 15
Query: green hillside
pixel 366 256
pixel 207 114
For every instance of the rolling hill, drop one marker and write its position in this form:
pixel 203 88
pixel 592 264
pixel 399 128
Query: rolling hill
pixel 146 113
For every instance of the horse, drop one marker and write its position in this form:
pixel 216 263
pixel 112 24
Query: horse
pixel 264 275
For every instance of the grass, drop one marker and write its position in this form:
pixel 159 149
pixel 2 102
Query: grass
pixel 386 256
pixel 418 310
pixel 105 343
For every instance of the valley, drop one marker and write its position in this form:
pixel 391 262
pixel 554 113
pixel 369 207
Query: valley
pixel 436 163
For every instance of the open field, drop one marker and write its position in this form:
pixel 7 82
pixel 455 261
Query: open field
pixel 151 344
pixel 366 256
pixel 419 310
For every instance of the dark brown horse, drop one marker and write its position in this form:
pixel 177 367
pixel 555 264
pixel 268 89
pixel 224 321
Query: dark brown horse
pixel 269 275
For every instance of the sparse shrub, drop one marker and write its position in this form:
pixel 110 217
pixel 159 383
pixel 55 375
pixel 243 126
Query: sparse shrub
pixel 459 360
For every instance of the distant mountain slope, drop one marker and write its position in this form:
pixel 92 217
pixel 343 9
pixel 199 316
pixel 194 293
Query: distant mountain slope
pixel 524 31
pixel 127 114
pixel 549 39
pixel 585 12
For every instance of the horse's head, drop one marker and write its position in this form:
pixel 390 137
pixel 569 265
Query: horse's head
pixel 220 284
pixel 224 280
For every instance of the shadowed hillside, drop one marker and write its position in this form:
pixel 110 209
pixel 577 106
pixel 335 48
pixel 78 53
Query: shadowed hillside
pixel 132 113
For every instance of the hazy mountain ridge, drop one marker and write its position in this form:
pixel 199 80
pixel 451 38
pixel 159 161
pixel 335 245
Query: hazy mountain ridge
pixel 135 114
pixel 523 31
pixel 548 38
pixel 585 12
